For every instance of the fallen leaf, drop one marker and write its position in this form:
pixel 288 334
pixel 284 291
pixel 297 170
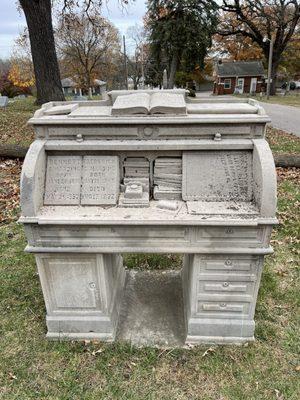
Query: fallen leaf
pixel 208 351
pixel 12 376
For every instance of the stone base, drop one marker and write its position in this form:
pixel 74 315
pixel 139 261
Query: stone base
pixel 201 330
pixel 65 327
pixel 82 294
pixel 212 300
pixel 220 293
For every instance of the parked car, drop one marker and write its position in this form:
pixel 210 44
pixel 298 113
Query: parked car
pixel 293 85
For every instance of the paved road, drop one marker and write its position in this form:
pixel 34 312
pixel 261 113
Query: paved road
pixel 286 118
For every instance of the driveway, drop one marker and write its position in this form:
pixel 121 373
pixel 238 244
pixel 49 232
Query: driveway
pixel 286 118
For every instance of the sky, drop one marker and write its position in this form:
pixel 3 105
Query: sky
pixel 13 21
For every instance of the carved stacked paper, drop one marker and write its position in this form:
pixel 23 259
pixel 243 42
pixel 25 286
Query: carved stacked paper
pixel 149 172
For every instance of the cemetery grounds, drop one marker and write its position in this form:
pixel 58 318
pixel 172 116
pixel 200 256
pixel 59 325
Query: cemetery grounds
pixel 33 368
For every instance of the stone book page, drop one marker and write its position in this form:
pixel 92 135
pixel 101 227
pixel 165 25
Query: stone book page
pixel 167 103
pixel 144 103
pixel 137 103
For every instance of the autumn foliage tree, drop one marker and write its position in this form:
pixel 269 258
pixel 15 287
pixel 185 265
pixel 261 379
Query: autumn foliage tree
pixel 38 14
pixel 256 20
pixel 21 72
pixel 87 46
pixel 21 75
pixel 235 47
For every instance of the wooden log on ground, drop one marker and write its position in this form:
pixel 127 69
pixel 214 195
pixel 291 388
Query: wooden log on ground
pixel 287 160
pixel 13 151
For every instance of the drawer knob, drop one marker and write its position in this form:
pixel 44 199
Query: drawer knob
pixel 229 231
pixel 228 262
pixel 223 305
pixel 225 284
pixel 92 285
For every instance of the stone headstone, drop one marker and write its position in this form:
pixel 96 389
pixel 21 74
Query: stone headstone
pixel 63 179
pixel 165 79
pixel 3 101
pixel 100 180
pixel 111 188
pixel 80 98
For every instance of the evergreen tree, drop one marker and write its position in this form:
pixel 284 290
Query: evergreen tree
pixel 179 33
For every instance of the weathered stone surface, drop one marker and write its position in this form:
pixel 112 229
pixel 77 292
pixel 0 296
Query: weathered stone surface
pixel 82 294
pixel 217 207
pixel 63 178
pixel 61 110
pixel 3 101
pixel 100 180
pixel 218 176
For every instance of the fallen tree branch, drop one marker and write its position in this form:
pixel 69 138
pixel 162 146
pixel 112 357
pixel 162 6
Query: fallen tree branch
pixel 287 160
pixel 13 151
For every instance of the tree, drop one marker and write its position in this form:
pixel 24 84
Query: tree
pixel 87 45
pixel 179 34
pixel 137 63
pixel 21 72
pixel 237 47
pixel 257 20
pixel 290 62
pixel 38 14
pixel 4 66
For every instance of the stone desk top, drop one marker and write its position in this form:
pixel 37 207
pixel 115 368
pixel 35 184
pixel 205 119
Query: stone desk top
pixel 198 112
pixel 190 213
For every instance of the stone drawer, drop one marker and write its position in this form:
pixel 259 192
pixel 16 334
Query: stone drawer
pixel 226 284
pixel 133 237
pixel 227 264
pixel 214 308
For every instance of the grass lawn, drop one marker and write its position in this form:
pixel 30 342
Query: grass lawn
pixel 13 122
pixel 34 368
pixel 288 100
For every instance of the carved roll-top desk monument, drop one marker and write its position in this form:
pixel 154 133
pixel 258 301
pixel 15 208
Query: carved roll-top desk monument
pixel 149 172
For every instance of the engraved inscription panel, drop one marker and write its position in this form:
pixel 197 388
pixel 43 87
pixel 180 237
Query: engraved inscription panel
pixel 63 178
pixel 100 180
pixel 217 176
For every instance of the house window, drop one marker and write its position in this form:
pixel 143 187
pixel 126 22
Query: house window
pixel 227 83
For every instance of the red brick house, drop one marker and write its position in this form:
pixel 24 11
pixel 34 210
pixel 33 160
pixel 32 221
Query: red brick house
pixel 238 77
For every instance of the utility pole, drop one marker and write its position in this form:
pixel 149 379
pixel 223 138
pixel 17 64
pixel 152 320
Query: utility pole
pixel 143 73
pixel 269 65
pixel 125 63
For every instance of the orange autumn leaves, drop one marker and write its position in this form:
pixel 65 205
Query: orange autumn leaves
pixel 21 77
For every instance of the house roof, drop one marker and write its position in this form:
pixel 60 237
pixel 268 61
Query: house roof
pixel 240 68
pixel 68 82
pixel 98 82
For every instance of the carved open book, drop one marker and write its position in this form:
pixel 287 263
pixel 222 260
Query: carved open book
pixel 144 103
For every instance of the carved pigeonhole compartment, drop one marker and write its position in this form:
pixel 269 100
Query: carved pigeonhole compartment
pixel 195 177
